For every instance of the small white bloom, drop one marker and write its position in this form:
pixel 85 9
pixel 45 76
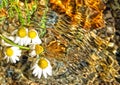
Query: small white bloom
pixel 22 37
pixel 33 37
pixel 12 54
pixel 42 66
pixel 36 50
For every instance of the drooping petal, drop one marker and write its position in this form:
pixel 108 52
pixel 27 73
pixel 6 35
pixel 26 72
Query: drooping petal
pixel 13 59
pixel 8 59
pixel 40 73
pixel 49 71
pixel 45 73
pixel 5 56
pixel 35 71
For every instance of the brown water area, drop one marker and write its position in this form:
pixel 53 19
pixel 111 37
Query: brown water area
pixel 81 40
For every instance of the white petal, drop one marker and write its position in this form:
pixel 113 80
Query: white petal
pixel 14 48
pixel 5 56
pixel 36 40
pixel 36 74
pixel 34 66
pixel 27 42
pixel 49 71
pixel 8 59
pixel 35 71
pixel 45 73
pixel 13 59
pixel 16 58
pixel 17 52
pixel 40 73
pixel 17 40
pixel 21 42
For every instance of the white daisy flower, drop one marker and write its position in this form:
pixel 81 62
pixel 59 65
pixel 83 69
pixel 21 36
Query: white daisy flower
pixel 36 50
pixel 12 54
pixel 42 66
pixel 33 37
pixel 21 37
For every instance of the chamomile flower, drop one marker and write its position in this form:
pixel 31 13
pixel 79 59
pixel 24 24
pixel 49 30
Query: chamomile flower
pixel 33 37
pixel 42 66
pixel 21 37
pixel 12 54
pixel 36 50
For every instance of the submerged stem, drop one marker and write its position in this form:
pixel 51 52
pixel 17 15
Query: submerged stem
pixel 12 43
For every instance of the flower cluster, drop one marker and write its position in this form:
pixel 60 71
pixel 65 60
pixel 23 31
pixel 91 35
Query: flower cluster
pixel 29 39
pixel 25 37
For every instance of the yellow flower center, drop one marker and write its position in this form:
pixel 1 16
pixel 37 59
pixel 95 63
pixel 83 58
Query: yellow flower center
pixel 32 34
pixel 38 49
pixel 43 63
pixel 22 32
pixel 9 52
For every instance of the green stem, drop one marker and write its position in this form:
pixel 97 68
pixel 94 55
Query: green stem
pixel 12 43
pixel 43 20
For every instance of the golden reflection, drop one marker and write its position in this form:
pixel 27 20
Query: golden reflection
pixel 88 13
